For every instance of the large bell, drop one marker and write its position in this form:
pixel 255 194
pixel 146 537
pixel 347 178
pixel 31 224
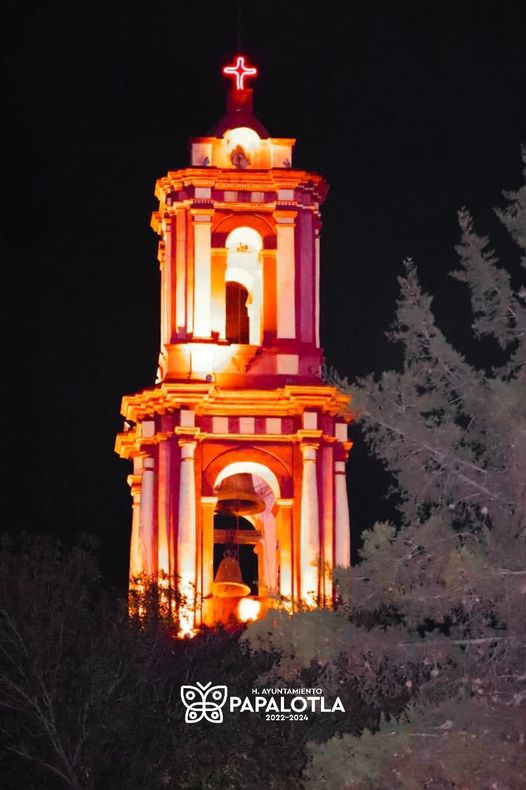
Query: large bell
pixel 228 582
pixel 236 497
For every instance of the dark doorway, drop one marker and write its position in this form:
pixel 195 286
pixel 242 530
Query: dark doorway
pixel 237 323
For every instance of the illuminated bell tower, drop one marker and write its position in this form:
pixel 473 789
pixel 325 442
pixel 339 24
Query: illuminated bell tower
pixel 238 390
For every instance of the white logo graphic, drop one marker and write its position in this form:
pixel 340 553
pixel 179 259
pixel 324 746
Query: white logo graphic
pixel 203 702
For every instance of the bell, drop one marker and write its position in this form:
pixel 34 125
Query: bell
pixel 228 582
pixel 236 497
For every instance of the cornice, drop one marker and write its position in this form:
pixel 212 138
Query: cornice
pixel 207 399
pixel 131 444
pixel 272 179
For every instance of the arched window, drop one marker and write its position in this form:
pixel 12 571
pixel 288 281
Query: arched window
pixel 244 295
pixel 237 323
pixel 255 534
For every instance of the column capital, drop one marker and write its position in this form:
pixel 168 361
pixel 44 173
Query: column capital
pixel 285 502
pixel 285 216
pixel 187 449
pixel 202 214
pixel 187 433
pixel 309 437
pixel 342 450
pixel 167 223
pixel 309 452
pixel 135 483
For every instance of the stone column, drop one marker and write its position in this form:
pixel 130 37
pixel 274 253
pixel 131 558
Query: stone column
pixel 342 523
pixel 317 287
pixel 181 274
pixel 167 285
pixel 218 292
pixel 146 527
pixel 136 548
pixel 164 505
pixel 286 559
pixel 208 506
pixel 187 535
pixel 286 293
pixel 202 220
pixel 327 520
pixel 268 258
pixel 269 559
pixel 310 528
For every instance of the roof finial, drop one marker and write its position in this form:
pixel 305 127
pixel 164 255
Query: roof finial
pixel 240 72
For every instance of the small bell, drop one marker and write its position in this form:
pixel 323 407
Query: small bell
pixel 236 497
pixel 228 582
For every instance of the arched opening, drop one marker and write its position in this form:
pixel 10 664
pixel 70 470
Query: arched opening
pixel 255 468
pixel 243 278
pixel 264 535
pixel 237 321
pixel 249 537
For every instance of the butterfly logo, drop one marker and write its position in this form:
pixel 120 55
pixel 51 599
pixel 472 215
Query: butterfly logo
pixel 203 702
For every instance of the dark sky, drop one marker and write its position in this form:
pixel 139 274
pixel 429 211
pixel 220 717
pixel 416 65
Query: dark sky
pixel 409 109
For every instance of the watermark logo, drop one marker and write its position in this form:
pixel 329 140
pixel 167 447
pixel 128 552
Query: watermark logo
pixel 283 704
pixel 203 702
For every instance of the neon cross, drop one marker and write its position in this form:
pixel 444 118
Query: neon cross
pixel 240 71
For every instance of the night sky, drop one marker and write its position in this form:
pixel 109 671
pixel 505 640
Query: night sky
pixel 410 110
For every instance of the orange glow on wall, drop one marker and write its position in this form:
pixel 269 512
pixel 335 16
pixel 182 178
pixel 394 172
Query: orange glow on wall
pixel 247 138
pixel 248 609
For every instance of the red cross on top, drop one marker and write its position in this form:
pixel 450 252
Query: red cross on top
pixel 240 71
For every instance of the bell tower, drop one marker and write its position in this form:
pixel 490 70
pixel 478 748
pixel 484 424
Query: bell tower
pixel 238 413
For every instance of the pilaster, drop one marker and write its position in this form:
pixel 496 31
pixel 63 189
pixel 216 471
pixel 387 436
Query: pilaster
pixel 286 557
pixel 202 224
pixel 187 535
pixel 285 275
pixel 310 527
pixel 342 523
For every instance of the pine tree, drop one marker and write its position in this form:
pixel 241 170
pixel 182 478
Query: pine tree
pixel 437 618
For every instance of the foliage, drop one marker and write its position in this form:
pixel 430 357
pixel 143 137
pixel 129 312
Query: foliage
pixel 437 620
pixel 459 741
pixel 90 698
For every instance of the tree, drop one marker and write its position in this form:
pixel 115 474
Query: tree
pixel 438 602
pixel 90 698
pixel 65 658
